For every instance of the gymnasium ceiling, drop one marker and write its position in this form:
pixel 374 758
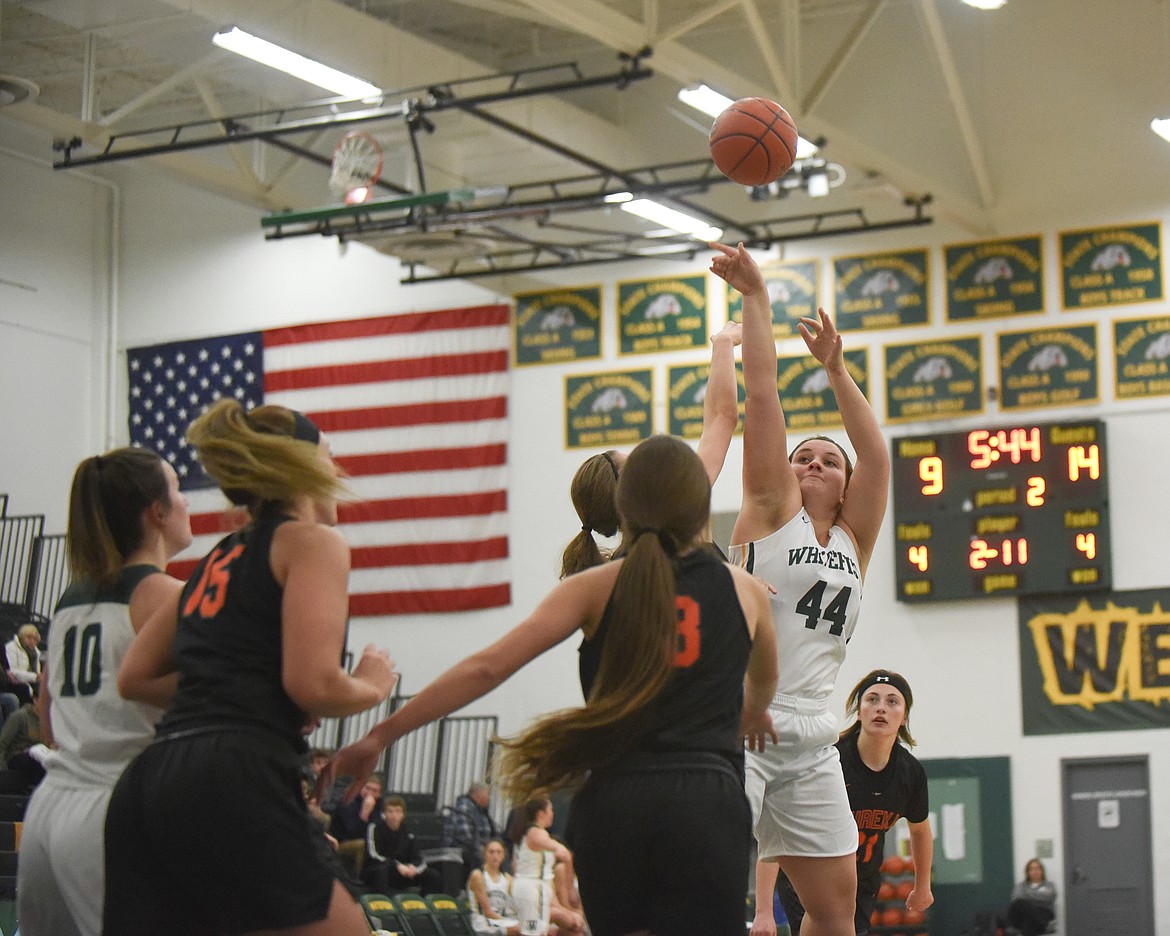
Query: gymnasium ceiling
pixel 995 122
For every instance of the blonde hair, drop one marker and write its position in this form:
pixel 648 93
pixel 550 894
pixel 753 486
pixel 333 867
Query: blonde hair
pixel 664 500
pixel 106 501
pixel 256 458
pixel 27 629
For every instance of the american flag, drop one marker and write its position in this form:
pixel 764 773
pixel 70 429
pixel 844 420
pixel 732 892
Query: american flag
pixel 416 410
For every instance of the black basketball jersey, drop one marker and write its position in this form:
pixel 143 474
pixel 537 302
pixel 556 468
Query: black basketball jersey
pixel 878 800
pixel 700 707
pixel 228 641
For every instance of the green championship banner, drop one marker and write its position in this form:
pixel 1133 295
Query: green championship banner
pixel 1100 663
pixel 558 325
pixel 934 379
pixel 686 394
pixel 664 314
pixel 881 290
pixel 1047 367
pixel 1141 357
pixel 1111 266
pixel 804 389
pixel 792 293
pixel 603 410
pixel 994 279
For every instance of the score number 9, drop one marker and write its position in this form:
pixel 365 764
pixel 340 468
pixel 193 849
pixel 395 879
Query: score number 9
pixel 930 471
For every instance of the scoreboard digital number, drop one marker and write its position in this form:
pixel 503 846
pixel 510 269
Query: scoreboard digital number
pixel 993 512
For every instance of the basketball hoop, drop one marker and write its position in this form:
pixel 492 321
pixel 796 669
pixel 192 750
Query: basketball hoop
pixel 357 164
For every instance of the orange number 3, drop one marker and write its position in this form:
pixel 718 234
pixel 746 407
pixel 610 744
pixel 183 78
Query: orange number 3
pixel 210 593
pixel 688 630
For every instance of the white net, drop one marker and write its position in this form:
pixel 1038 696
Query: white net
pixel 357 164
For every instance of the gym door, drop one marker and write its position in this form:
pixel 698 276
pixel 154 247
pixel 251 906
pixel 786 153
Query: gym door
pixel 1107 849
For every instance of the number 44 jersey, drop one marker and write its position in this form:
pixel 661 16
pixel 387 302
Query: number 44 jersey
pixel 814 610
pixel 97 731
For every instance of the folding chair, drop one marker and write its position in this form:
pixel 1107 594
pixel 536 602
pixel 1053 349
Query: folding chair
pixel 382 913
pixel 451 914
pixel 416 915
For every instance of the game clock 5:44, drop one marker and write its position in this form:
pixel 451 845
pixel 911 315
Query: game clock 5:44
pixel 985 512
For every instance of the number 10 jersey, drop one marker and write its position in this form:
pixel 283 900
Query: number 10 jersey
pixel 97 731
pixel 814 610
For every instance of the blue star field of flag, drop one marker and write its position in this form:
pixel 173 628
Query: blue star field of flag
pixel 172 384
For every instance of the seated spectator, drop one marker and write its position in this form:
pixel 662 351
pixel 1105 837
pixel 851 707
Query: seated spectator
pixel 1033 906
pixel 490 890
pixel 21 751
pixel 534 887
pixel 469 826
pixel 393 860
pixel 22 662
pixel 348 823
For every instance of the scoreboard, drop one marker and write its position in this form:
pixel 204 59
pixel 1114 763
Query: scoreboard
pixel 991 512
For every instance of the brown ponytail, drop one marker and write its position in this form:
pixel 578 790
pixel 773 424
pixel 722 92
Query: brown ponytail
pixel 106 501
pixel 664 500
pixel 593 491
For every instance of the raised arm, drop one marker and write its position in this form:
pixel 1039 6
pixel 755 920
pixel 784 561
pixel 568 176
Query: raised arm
pixel 868 491
pixel 771 495
pixel 575 602
pixel 721 404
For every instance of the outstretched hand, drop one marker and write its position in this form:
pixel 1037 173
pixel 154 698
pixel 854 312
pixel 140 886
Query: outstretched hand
pixel 736 266
pixel 733 331
pixel 822 338
pixel 356 761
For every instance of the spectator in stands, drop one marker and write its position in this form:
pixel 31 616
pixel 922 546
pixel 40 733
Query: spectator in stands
pixel 21 751
pixel 536 856
pixel 468 826
pixel 349 821
pixel 393 860
pixel 22 658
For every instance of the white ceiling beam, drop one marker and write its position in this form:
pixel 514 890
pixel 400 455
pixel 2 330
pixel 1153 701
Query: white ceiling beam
pixel 688 67
pixel 114 117
pixel 946 61
pixel 790 14
pixel 760 34
pixel 235 152
pixel 831 70
pixel 692 23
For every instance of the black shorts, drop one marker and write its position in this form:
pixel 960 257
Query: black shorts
pixel 209 834
pixel 663 845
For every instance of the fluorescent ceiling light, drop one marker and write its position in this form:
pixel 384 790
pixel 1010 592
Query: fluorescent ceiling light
pixel 985 4
pixel 616 198
pixel 676 220
pixel 1161 126
pixel 274 56
pixel 712 103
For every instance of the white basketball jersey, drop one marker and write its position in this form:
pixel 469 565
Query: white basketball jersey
pixel 97 732
pixel 814 610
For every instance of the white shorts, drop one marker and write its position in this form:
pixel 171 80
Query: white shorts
pixel 533 901
pixel 63 897
pixel 797 793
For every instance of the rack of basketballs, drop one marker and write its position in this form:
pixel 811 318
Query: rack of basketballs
pixel 890 915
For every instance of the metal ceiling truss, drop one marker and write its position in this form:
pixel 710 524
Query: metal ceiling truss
pixel 533 241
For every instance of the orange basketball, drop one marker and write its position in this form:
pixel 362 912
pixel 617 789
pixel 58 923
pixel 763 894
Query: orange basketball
pixel 913 917
pixel 893 865
pixel 875 918
pixel 753 142
pixel 903 889
pixel 891 916
pixel 886 891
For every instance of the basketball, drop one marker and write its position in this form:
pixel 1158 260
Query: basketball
pixel 886 891
pixel 913 917
pixel 891 916
pixel 893 865
pixel 904 889
pixel 753 142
